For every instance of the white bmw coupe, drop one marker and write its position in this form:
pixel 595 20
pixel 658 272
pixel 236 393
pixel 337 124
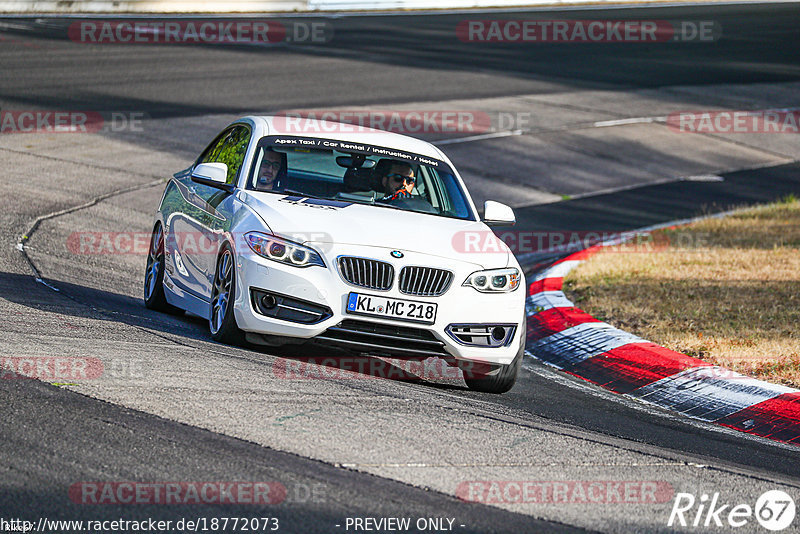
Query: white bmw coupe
pixel 343 236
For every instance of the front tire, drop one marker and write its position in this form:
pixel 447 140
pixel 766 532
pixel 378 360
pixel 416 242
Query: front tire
pixel 222 322
pixel 500 382
pixel 154 297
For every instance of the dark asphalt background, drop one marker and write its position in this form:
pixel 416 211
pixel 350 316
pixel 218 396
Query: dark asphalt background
pixel 375 59
pixel 53 437
pixel 56 439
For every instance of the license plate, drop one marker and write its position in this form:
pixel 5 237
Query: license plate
pixel 404 310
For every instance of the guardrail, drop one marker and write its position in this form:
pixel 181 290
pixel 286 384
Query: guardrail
pixel 262 6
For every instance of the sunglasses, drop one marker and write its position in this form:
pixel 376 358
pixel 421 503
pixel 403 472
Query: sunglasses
pixel 401 178
pixel 274 164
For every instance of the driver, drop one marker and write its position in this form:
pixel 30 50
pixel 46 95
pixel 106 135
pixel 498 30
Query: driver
pixel 269 170
pixel 398 182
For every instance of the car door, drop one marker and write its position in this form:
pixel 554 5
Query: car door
pixel 198 232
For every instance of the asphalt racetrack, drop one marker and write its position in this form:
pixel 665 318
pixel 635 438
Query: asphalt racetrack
pixel 578 142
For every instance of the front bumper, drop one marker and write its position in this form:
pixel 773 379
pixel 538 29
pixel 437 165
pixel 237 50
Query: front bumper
pixel 323 289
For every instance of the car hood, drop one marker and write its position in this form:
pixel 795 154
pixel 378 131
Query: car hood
pixel 311 221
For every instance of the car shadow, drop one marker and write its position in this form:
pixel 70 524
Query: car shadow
pixel 307 361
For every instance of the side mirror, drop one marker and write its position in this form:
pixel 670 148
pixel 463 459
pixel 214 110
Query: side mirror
pixel 497 214
pixel 212 174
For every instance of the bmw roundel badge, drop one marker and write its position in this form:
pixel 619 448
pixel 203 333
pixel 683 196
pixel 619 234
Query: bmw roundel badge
pixel 397 254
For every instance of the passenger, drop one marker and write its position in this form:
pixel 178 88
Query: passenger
pixel 398 182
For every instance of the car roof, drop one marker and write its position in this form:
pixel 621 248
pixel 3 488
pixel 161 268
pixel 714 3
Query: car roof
pixel 319 129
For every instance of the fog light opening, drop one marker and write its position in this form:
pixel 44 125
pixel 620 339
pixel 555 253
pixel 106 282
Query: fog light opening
pixel 268 302
pixel 498 333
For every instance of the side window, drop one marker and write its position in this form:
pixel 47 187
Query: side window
pixel 211 153
pixel 229 148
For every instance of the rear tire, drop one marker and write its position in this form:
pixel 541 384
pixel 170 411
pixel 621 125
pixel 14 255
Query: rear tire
pixel 154 297
pixel 222 321
pixel 501 381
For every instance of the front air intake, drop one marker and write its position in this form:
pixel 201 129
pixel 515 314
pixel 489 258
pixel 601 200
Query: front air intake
pixel 366 273
pixel 389 340
pixel 482 335
pixel 425 281
pixel 288 308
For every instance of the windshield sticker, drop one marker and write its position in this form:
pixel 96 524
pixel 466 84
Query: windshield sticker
pixel 347 146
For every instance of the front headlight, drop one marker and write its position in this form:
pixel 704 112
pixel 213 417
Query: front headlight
pixel 494 280
pixel 284 251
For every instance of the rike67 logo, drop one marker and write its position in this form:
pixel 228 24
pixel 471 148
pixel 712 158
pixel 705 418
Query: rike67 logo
pixel 774 510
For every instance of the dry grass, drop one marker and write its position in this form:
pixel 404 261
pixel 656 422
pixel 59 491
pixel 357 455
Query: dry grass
pixel 725 290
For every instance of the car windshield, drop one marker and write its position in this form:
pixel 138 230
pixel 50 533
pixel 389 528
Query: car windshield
pixel 357 173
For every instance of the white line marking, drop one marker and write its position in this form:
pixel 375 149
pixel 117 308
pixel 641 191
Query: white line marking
pixel 482 137
pixel 612 190
pixel 704 178
pixel 633 120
